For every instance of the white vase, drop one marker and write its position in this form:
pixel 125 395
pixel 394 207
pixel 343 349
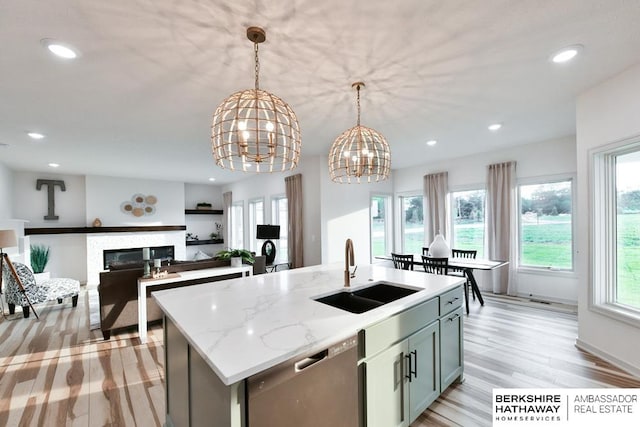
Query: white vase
pixel 236 261
pixel 439 248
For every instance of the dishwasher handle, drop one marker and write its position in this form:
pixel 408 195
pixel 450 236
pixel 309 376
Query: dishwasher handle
pixel 310 361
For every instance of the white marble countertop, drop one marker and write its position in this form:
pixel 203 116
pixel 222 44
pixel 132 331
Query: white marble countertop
pixel 244 326
pixel 183 276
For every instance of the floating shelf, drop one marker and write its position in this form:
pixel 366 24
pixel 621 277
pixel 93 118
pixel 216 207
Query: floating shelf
pixel 90 230
pixel 203 211
pixel 204 242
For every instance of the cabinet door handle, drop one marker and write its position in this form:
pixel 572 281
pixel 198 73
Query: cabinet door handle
pixel 452 301
pixel 412 360
pixel 415 368
pixel 452 318
pixel 407 359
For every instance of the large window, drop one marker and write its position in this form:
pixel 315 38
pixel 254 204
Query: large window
pixel 381 224
pixel 546 225
pixel 280 216
pixel 468 220
pixel 412 224
pixel 256 217
pixel 627 289
pixel 237 225
pixel 616 230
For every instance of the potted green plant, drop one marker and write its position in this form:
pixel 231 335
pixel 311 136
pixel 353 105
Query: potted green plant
pixel 39 259
pixel 203 205
pixel 236 256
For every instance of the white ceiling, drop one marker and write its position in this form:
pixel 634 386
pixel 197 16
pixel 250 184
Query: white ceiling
pixel 138 101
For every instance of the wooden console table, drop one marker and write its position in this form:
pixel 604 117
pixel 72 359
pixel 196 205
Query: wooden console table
pixel 183 276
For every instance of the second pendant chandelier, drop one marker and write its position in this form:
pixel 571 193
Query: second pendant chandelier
pixel 360 153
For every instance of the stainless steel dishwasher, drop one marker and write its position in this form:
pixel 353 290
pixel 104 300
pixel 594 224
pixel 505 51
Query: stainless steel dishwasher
pixel 318 390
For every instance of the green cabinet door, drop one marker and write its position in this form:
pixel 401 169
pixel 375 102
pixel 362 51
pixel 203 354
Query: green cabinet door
pixel 423 368
pixel 451 350
pixel 386 388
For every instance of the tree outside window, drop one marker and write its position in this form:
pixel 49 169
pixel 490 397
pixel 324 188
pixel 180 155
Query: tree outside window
pixel 380 225
pixel 412 224
pixel 468 220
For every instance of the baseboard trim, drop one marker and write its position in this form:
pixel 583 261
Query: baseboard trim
pixel 547 299
pixel 632 370
pixel 533 303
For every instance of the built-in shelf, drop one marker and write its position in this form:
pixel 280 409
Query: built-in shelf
pixel 90 230
pixel 203 211
pixel 204 242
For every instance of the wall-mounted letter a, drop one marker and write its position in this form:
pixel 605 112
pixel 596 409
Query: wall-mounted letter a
pixel 51 183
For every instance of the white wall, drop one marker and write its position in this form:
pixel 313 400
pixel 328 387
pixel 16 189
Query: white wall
pixel 606 113
pixel 312 210
pixel 68 252
pixel 197 193
pixel 555 157
pixel 31 204
pixel 105 195
pixel 538 159
pixel 345 215
pixel 6 192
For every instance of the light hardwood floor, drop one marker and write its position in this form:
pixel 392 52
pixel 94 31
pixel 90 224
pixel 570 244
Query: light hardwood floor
pixel 56 372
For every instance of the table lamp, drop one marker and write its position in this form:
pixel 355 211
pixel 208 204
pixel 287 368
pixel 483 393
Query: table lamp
pixel 268 232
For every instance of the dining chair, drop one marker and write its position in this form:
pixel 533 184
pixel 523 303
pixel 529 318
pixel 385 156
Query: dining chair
pixel 402 261
pixel 435 265
pixel 463 253
pixel 425 250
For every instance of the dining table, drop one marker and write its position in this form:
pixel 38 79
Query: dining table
pixel 467 265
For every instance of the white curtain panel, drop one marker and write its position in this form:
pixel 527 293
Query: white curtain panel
pixel 293 185
pixel 436 189
pixel 227 200
pixel 502 223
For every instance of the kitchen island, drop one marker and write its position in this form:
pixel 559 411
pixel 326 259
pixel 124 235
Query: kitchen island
pixel 219 335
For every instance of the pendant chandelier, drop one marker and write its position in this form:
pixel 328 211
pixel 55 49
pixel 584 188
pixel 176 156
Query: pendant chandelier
pixel 254 130
pixel 359 153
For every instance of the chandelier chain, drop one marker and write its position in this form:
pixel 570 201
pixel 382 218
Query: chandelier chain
pixel 358 92
pixel 257 60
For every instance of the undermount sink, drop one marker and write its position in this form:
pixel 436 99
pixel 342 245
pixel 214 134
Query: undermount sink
pixel 384 292
pixel 365 299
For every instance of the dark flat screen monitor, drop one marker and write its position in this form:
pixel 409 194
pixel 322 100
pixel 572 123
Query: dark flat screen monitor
pixel 268 232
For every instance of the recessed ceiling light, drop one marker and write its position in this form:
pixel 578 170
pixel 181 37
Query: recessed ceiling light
pixel 212 179
pixel 61 50
pixel 53 165
pixel 566 54
pixel 432 142
pixel 494 127
pixel 35 135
